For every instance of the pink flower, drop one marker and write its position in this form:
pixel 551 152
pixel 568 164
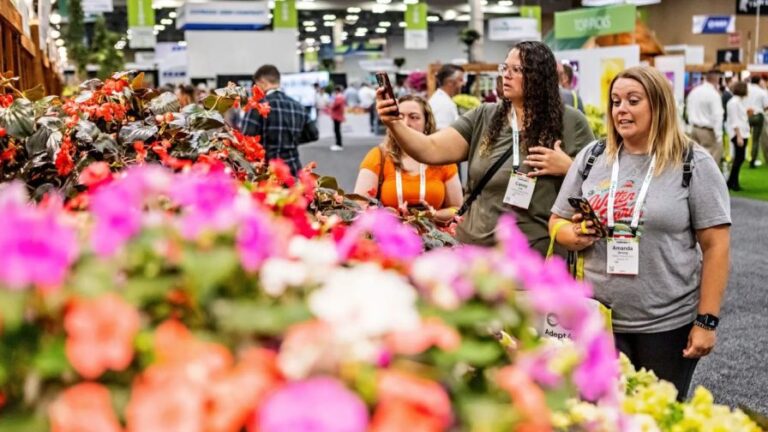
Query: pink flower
pixel 37 247
pixel 395 239
pixel 207 199
pixel 597 374
pixel 84 407
pixel 318 404
pixel 116 209
pixel 254 240
pixel 100 335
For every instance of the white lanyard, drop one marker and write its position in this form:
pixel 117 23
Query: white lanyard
pixel 640 199
pixel 515 141
pixel 422 184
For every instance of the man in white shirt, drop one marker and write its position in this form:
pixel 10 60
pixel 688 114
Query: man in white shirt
pixel 367 97
pixel 756 102
pixel 450 79
pixel 705 115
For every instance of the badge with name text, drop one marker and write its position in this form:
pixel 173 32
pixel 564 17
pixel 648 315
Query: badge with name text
pixel 623 256
pixel 519 190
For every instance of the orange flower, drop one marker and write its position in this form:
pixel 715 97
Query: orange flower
pixel 171 404
pixel 84 407
pixel 392 416
pixel 100 334
pixel 527 397
pixel 426 396
pixel 432 332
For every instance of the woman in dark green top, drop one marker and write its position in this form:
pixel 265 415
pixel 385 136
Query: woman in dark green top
pixel 548 133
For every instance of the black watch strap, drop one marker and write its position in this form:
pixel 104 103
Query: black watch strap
pixel 707 321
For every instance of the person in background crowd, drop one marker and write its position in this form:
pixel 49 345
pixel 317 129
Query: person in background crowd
pixel 664 291
pixel 737 126
pixel 186 94
pixel 281 130
pixel 367 97
pixel 351 96
pixel 756 102
pixel 336 110
pixel 450 79
pixel 530 126
pixel 403 179
pixel 201 92
pixel 569 96
pixel 705 114
pixel 321 99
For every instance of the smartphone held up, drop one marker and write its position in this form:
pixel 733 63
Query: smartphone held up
pixel 383 80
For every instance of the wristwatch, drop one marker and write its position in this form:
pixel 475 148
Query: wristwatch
pixel 707 321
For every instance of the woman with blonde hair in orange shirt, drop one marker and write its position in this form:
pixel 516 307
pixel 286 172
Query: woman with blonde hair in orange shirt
pixel 403 180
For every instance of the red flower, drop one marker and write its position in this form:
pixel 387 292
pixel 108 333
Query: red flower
pixel 6 100
pixel 84 407
pixel 253 102
pixel 257 93
pixel 8 154
pixel 141 151
pixel 282 172
pixel 2 132
pixel 64 162
pixel 424 396
pixel 95 175
pixel 264 109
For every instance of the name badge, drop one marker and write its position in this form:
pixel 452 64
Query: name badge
pixel 519 190
pixel 623 256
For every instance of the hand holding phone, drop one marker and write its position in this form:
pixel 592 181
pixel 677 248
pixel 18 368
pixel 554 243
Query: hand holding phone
pixel 581 205
pixel 383 79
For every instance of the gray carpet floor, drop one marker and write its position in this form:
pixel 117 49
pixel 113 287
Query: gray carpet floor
pixel 737 371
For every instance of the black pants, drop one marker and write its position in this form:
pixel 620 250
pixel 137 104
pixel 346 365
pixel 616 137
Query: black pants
pixel 756 123
pixel 663 354
pixel 337 131
pixel 738 160
pixel 372 116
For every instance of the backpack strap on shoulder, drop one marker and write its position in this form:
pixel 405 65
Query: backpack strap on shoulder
pixel 596 151
pixel 688 166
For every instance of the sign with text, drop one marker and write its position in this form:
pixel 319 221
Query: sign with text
pixel 223 15
pixel 749 7
pixel 285 15
pixel 714 24
pixel 597 21
pixel 513 29
pixel 416 32
pixel 532 12
pixel 97 6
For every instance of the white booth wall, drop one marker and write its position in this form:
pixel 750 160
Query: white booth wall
pixel 214 52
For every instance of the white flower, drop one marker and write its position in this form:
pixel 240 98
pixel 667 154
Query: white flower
pixel 317 254
pixel 365 302
pixel 277 274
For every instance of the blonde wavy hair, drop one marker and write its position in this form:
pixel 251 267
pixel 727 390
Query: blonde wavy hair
pixel 390 146
pixel 666 136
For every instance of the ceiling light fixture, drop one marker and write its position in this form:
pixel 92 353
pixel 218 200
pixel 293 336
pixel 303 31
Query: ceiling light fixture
pixel 379 9
pixel 450 15
pixel 354 10
pixel 310 29
pixel 329 17
pixel 433 18
pixel 380 30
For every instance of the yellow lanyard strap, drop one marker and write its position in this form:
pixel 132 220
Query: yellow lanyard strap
pixel 551 250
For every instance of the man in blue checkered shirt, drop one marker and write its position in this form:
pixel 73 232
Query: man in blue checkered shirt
pixel 281 130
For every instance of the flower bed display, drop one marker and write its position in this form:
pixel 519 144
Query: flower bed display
pixel 198 297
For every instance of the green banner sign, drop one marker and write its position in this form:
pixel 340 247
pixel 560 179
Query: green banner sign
pixel 140 13
pixel 595 21
pixel 285 15
pixel 416 16
pixel 531 12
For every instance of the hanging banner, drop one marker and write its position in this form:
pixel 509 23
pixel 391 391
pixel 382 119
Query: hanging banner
pixel 416 32
pixel 749 7
pixel 588 22
pixel 285 15
pixel 513 29
pixel 532 12
pixel 141 22
pixel 44 26
pixel 171 59
pixel 592 3
pixel 714 24
pixel 224 15
pixel 97 6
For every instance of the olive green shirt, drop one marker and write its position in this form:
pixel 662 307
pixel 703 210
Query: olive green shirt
pixel 479 224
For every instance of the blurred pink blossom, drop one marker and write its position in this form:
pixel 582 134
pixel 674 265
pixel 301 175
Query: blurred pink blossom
pixel 207 200
pixel 395 239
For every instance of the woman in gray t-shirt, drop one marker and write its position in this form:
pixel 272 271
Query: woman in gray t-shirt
pixel 663 266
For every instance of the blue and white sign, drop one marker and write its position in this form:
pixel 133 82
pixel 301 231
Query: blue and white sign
pixel 514 29
pixel 714 24
pixel 224 15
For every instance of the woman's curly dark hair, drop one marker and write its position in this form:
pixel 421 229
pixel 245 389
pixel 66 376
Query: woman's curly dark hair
pixel 542 106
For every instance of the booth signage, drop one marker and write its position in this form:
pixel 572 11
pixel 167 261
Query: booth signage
pixel 140 13
pixel 532 12
pixel 750 7
pixel 416 32
pixel 592 3
pixel 225 15
pixel 506 29
pixel 730 55
pixel 97 6
pixel 588 22
pixel 285 15
pixel 714 24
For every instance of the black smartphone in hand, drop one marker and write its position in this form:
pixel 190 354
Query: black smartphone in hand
pixel 583 206
pixel 383 79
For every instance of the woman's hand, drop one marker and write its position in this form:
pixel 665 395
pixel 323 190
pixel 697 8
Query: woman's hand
pixel 740 141
pixel 386 108
pixel 446 216
pixel 546 161
pixel 700 342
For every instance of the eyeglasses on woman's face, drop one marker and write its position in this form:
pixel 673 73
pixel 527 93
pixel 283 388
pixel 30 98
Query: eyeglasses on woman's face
pixel 510 70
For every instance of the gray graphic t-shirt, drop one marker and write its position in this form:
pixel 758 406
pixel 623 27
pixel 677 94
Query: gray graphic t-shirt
pixel 665 294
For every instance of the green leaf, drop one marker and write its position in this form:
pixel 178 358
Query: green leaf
pixel 18 119
pixel 93 277
pixel 23 422
pixel 51 360
pixel 140 290
pixel 205 120
pixel 136 131
pixel 205 270
pixel 105 144
pixel 165 103
pixel 327 182
pixel 86 131
pixel 221 104
pixel 242 162
pixel 251 316
pixel 138 82
pixel 42 105
pixel 35 94
pixel 473 352
pixel 485 413
pixel 12 304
